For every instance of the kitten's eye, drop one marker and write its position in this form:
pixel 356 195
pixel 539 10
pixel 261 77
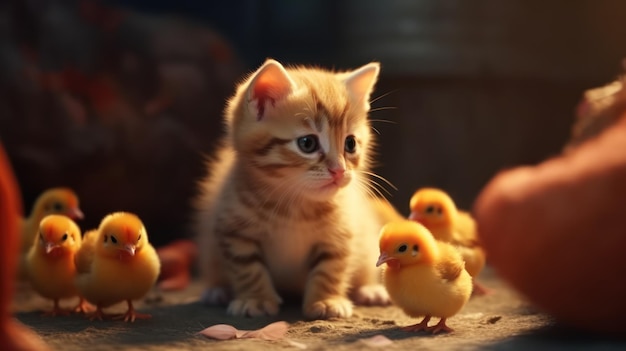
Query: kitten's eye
pixel 64 237
pixel 113 239
pixel 402 248
pixel 308 144
pixel 350 144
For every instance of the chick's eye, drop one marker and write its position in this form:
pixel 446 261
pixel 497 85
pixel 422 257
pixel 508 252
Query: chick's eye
pixel 350 144
pixel 113 239
pixel 139 237
pixel 308 144
pixel 430 209
pixel 57 206
pixel 64 237
pixel 402 248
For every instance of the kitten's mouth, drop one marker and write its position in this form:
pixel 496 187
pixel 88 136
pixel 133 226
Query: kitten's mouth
pixel 329 186
pixel 334 184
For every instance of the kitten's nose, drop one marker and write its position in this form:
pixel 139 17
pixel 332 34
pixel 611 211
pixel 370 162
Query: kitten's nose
pixel 337 173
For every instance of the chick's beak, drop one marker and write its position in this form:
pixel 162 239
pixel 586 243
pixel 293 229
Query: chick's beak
pixel 383 258
pixel 49 247
pixel 130 248
pixel 75 213
pixel 414 216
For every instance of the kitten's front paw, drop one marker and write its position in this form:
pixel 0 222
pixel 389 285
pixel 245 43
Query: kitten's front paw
pixel 216 296
pixel 253 307
pixel 372 295
pixel 336 307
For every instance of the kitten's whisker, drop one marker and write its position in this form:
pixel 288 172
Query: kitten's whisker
pixel 378 187
pixel 383 120
pixel 372 174
pixel 375 130
pixel 368 189
pixel 371 186
pixel 383 108
pixel 383 95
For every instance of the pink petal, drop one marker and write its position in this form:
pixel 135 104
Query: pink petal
pixel 377 341
pixel 296 344
pixel 220 332
pixel 273 331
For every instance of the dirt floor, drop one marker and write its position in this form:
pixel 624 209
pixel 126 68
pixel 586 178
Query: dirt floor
pixel 499 321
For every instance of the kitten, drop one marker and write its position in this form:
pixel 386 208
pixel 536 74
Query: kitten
pixel 287 205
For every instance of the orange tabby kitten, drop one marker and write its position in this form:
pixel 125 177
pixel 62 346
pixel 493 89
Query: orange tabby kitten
pixel 286 207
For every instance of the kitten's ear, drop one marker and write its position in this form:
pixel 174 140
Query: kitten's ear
pixel 360 83
pixel 270 83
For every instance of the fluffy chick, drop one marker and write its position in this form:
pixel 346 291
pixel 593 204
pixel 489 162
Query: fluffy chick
pixel 117 263
pixel 424 277
pixel 52 201
pixel 50 261
pixel 436 210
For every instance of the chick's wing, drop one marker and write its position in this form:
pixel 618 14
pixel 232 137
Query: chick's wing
pixel 451 265
pixel 84 256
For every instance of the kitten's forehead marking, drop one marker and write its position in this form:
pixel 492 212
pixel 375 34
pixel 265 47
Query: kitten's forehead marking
pixel 319 125
pixel 321 114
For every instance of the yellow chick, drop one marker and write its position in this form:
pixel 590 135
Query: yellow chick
pixel 52 201
pixel 436 210
pixel 50 261
pixel 116 263
pixel 424 277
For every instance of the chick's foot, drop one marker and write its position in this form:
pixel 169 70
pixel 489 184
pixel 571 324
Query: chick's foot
pixel 99 315
pixel 423 325
pixel 83 307
pixel 440 327
pixel 131 315
pixel 57 311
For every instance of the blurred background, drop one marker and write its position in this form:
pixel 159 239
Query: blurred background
pixel 121 99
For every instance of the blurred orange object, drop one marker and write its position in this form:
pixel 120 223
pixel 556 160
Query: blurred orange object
pixel 557 231
pixel 13 336
pixel 177 259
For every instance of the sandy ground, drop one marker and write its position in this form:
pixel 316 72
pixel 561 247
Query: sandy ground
pixel 499 321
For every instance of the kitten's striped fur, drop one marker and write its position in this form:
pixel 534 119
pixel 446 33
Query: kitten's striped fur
pixel 274 217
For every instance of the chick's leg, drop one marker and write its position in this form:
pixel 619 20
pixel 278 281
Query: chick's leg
pixel 57 310
pixel 439 327
pixel 99 314
pixel 131 314
pixel 83 307
pixel 423 325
